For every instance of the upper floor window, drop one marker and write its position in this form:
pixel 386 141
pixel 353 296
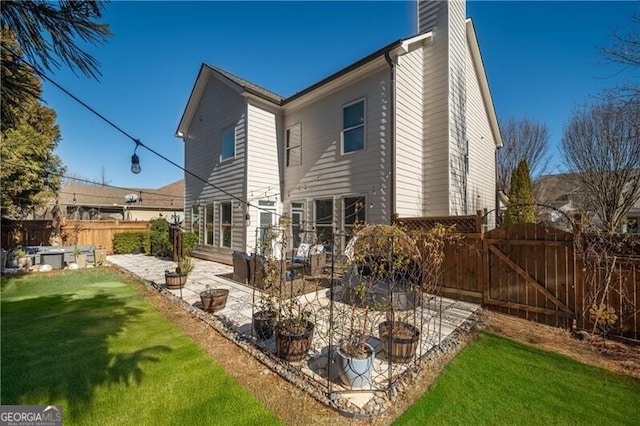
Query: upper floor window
pixel 294 145
pixel 228 144
pixel 353 120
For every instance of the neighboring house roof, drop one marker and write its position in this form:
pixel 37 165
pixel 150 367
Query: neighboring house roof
pixel 557 191
pixel 168 197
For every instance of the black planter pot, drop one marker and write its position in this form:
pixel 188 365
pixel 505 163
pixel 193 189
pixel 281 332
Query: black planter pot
pixel 264 323
pixel 293 341
pixel 399 340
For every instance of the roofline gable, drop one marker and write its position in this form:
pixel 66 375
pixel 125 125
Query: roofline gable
pixel 474 48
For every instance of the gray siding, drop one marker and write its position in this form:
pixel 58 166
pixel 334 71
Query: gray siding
pixel 409 134
pixel 482 147
pixel 220 107
pixel 458 181
pixel 263 177
pixel 436 110
pixel 325 172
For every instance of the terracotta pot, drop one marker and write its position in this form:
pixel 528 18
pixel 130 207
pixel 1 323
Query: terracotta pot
pixel 214 300
pixel 293 343
pixel 175 281
pixel 264 323
pixel 399 340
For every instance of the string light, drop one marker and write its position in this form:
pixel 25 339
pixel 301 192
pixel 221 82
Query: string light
pixel 135 160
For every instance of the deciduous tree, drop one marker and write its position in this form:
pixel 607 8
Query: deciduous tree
pixel 601 144
pixel 523 139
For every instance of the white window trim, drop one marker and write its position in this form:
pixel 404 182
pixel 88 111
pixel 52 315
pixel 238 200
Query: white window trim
pixel 286 147
pixel 221 227
pixel 364 126
pixel 344 213
pixel 235 142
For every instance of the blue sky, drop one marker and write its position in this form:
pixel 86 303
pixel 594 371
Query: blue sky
pixel 541 60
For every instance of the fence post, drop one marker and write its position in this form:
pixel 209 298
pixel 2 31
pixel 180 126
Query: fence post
pixel 479 221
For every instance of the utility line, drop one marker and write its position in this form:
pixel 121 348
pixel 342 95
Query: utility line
pixel 135 140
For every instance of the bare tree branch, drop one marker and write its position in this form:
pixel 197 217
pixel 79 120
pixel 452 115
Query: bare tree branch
pixel 601 143
pixel 523 139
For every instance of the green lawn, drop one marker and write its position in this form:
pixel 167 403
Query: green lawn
pixel 88 341
pixel 500 382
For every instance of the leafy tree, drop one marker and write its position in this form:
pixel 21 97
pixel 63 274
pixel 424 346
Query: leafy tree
pixel 19 85
pixel 520 209
pixel 30 173
pixel 49 32
pixel 523 139
pixel 46 34
pixel 601 144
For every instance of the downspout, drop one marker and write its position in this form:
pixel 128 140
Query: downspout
pixel 392 125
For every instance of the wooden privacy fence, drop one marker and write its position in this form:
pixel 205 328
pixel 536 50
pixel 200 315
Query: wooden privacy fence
pixel 72 232
pixel 533 271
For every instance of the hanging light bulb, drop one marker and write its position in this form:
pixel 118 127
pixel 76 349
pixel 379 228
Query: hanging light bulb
pixel 135 161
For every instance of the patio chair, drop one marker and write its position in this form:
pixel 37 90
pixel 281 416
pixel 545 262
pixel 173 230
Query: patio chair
pixel 258 267
pixel 312 257
pixel 241 272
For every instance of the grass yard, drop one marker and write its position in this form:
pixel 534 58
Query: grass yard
pixel 500 382
pixel 88 341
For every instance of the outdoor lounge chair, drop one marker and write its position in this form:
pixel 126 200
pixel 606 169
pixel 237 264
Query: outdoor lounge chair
pixel 241 271
pixel 312 257
pixel 258 267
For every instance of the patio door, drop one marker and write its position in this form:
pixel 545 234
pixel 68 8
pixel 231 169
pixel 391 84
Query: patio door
pixel 266 237
pixel 297 224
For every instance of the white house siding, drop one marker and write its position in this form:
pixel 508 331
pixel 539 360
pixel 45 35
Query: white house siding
pixel 433 17
pixel 220 107
pixel 265 132
pixel 482 147
pixel 458 181
pixel 324 172
pixel 409 135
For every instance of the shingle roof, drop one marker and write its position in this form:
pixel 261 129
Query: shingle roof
pixel 249 86
pixel 97 195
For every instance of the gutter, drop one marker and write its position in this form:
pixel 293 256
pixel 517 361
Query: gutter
pixel 392 135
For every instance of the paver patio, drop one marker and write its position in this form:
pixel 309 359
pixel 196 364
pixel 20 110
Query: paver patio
pixel 238 312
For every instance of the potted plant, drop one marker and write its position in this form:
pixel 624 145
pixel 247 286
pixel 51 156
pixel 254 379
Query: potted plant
pixel 176 279
pixel 81 259
pixel 214 299
pixel 354 356
pixel 21 258
pixel 294 330
pixel 265 317
pixel 399 337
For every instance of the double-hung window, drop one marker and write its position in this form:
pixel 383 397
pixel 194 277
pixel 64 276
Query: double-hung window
pixel 195 219
pixel 294 145
pixel 354 209
pixel 225 224
pixel 324 220
pixel 208 214
pixel 353 121
pixel 228 144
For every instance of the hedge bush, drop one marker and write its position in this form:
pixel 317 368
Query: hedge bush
pixel 131 242
pixel 161 244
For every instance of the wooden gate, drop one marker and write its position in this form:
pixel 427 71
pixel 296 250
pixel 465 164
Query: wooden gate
pixel 530 272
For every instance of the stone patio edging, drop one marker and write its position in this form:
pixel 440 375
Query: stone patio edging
pixel 381 401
